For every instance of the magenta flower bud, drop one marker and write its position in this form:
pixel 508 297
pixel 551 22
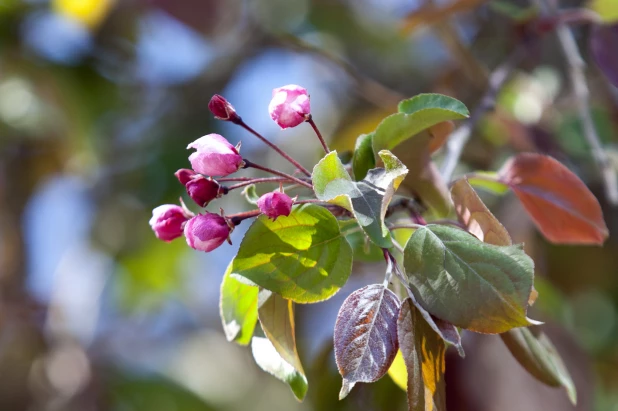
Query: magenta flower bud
pixel 275 204
pixel 184 175
pixel 215 156
pixel 289 105
pixel 205 232
pixel 202 190
pixel 168 221
pixel 222 109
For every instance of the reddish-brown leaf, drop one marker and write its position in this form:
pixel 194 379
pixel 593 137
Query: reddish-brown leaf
pixel 560 204
pixel 439 134
pixel 366 335
pixel 475 215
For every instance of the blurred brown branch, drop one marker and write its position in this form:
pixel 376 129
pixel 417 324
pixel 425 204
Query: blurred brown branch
pixel 576 67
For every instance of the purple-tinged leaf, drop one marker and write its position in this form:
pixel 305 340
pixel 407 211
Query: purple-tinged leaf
pixel 423 352
pixel 604 43
pixel 366 335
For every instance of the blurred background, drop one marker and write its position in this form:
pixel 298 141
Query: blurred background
pixel 98 101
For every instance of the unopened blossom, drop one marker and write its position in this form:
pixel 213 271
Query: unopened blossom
pixel 184 175
pixel 275 204
pixel 222 109
pixel 289 105
pixel 202 190
pixel 205 232
pixel 214 156
pixel 168 221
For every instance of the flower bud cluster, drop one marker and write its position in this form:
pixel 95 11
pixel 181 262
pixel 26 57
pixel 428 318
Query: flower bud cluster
pixel 215 156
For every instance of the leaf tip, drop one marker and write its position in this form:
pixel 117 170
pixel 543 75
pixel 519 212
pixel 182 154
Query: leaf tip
pixel 534 322
pixel 346 387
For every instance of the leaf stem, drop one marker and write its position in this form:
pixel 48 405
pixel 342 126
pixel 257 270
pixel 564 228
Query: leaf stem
pixel 274 147
pixel 257 181
pixel 278 173
pixel 389 267
pixel 309 119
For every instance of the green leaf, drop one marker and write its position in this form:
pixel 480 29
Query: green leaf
pixel 238 308
pixel 488 181
pixel 269 360
pixel 277 319
pixel 423 353
pixel 251 194
pixel 535 352
pixel 303 257
pixel 415 115
pixel 364 158
pixel 471 284
pixel 367 199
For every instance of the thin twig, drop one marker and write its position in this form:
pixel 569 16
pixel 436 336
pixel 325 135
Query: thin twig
pixel 274 147
pixel 410 226
pixel 317 132
pixel 582 99
pixel 258 181
pixel 278 173
pixel 458 138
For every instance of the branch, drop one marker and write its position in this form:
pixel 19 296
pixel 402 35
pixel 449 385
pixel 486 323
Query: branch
pixel 582 99
pixel 458 138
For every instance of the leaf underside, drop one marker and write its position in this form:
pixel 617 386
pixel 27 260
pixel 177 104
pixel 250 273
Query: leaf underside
pixel 365 337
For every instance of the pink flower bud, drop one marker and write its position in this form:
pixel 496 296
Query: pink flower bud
pixel 184 175
pixel 275 204
pixel 167 221
pixel 215 156
pixel 205 232
pixel 202 190
pixel 222 109
pixel 289 105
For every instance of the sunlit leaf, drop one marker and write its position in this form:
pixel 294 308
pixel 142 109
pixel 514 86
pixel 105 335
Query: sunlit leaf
pixel 470 284
pixel 364 158
pixel 366 335
pixel 238 308
pixel 475 215
pixel 269 360
pixel 603 44
pixel 439 134
pixel 488 181
pixel 560 204
pixel 606 9
pixel 477 218
pixel 276 316
pixel 398 372
pixel 535 352
pixel 415 115
pixel 423 352
pixel 405 129
pixel 303 257
pixel 367 199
